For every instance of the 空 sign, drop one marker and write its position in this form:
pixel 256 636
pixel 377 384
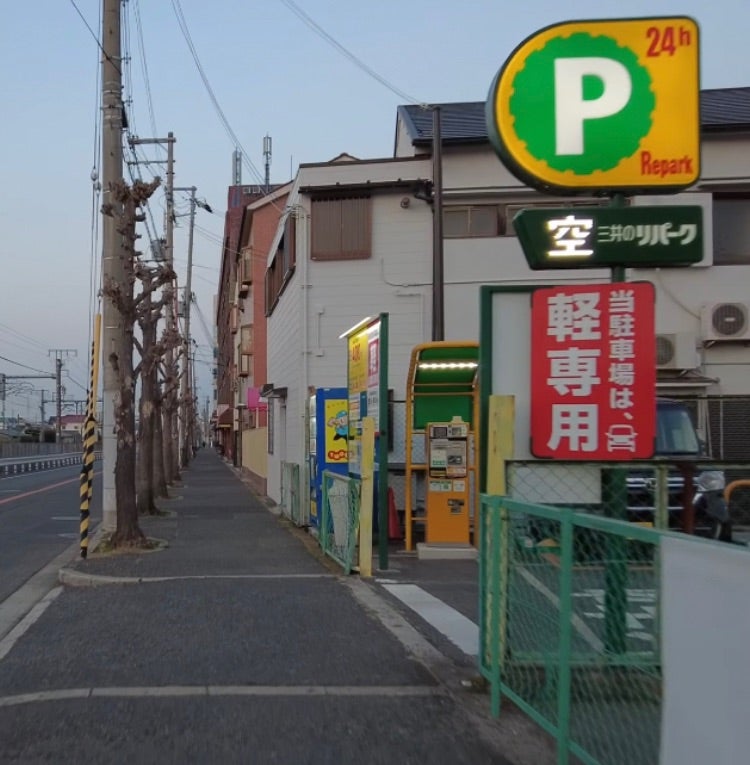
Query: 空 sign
pixel 607 105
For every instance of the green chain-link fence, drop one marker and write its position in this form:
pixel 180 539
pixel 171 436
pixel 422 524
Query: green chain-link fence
pixel 569 626
pixel 339 520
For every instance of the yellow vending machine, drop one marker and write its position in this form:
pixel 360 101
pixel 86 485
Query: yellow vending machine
pixel 447 492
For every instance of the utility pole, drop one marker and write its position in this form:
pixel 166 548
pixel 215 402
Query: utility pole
pixel 113 256
pixel 438 272
pixel 2 398
pixel 206 428
pixel 171 445
pixel 186 382
pixel 186 394
pixel 171 463
pixel 41 414
pixel 59 353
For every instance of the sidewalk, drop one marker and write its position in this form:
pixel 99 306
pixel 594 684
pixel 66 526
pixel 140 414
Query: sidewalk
pixel 240 643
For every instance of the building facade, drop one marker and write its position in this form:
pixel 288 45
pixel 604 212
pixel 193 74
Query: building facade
pixel 356 240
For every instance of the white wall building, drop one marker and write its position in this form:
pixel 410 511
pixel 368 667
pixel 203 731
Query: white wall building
pixel 358 241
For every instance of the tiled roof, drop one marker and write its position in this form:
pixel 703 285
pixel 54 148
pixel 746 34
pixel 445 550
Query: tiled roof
pixel 721 109
pixel 725 109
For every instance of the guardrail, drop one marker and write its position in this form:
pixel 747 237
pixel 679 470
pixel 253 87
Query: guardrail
pixel 10 467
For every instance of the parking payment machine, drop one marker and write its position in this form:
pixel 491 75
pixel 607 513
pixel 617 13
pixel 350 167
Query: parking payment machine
pixel 447 491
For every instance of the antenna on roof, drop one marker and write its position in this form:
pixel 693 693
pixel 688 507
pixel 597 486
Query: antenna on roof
pixel 237 167
pixel 267 156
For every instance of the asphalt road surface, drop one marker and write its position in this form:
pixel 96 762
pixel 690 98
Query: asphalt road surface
pixel 39 520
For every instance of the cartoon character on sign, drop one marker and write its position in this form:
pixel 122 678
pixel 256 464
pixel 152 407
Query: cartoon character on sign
pixel 337 431
pixel 340 424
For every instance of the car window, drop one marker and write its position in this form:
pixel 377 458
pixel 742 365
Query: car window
pixel 675 433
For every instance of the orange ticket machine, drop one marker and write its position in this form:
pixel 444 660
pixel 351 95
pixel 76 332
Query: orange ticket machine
pixel 447 490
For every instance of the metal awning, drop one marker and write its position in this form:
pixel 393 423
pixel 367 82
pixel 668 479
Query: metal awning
pixel 686 381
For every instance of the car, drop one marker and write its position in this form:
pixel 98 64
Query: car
pixel 678 445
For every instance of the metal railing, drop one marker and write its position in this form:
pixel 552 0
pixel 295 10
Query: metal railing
pixel 569 627
pixel 339 519
pixel 18 449
pixel 290 490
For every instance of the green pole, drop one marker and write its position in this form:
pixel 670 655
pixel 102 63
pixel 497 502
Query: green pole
pixel 615 489
pixel 566 607
pixel 382 454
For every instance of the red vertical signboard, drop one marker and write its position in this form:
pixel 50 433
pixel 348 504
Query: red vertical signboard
pixel 593 372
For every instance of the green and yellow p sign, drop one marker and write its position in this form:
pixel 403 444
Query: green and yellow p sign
pixel 601 105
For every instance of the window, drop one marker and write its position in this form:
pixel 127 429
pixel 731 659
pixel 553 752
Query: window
pixel 288 247
pixel 246 365
pixel 282 267
pixel 731 213
pixel 472 221
pixel 341 228
pixel 274 283
pixel 246 338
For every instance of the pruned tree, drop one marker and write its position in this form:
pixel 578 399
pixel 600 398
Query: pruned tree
pixel 170 406
pixel 148 313
pixel 132 198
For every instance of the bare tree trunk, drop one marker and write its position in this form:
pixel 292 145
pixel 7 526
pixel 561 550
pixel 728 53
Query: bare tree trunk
pixel 170 434
pixel 127 531
pixel 145 466
pixel 160 481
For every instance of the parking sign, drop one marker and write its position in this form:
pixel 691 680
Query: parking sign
pixel 608 104
pixel 593 372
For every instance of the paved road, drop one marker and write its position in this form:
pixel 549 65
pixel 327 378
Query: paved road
pixel 238 642
pixel 39 519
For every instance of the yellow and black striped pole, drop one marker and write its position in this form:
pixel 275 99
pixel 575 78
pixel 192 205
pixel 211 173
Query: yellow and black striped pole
pixel 89 439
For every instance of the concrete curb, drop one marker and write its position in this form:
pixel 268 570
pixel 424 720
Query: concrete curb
pixel 70 577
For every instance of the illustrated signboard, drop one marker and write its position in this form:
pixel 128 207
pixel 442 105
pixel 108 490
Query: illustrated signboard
pixel 364 381
pixel 593 377
pixel 601 105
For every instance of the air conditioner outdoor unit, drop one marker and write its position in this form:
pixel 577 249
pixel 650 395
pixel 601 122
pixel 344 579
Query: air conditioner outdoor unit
pixel 726 322
pixel 676 350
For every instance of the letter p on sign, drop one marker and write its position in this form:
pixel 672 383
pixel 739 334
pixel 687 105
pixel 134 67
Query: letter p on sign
pixel 572 108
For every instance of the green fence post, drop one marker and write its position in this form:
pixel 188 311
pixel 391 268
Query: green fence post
pixel 499 603
pixel 566 607
pixel 324 514
pixel 661 504
pixel 615 488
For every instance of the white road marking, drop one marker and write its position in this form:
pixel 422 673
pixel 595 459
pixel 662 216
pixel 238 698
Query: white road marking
pixel 462 632
pixel 19 603
pixel 578 624
pixel 20 629
pixel 174 691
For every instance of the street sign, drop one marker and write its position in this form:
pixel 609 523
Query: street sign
pixel 607 105
pixel 593 372
pixel 593 237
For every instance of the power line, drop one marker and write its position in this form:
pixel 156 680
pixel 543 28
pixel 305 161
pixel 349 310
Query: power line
pixel 19 364
pixel 93 34
pixel 312 24
pixel 182 23
pixel 144 66
pixel 22 336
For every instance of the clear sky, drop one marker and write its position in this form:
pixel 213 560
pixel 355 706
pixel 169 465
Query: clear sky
pixel 270 73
